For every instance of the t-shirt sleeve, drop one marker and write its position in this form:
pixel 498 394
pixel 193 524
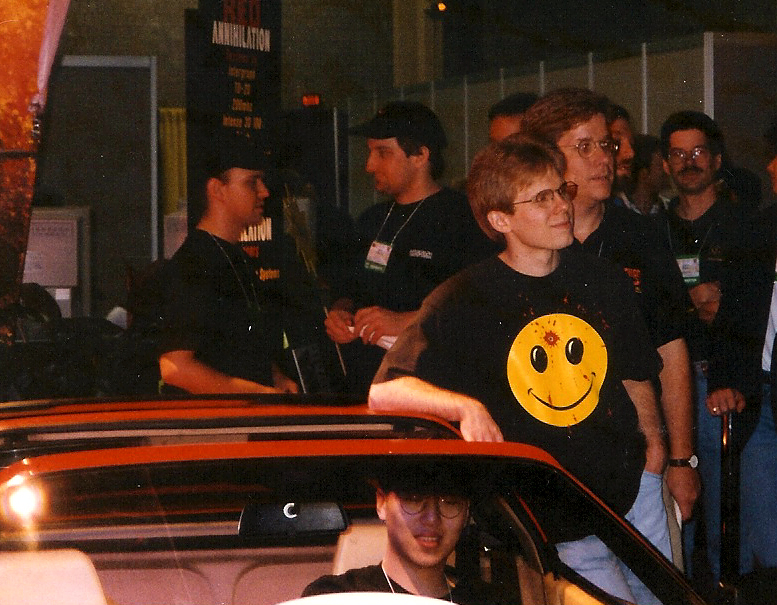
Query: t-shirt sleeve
pixel 668 302
pixel 428 345
pixel 184 309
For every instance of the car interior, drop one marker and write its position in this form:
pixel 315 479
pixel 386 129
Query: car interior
pixel 259 530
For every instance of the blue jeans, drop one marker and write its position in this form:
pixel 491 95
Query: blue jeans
pixel 708 448
pixel 591 558
pixel 758 493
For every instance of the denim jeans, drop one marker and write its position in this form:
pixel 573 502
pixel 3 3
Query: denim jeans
pixel 591 558
pixel 708 448
pixel 758 493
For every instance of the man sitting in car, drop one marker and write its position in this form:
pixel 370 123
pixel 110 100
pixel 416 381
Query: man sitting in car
pixel 424 509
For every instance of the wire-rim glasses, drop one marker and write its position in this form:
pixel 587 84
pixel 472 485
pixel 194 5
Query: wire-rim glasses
pixel 449 506
pixel 678 157
pixel 587 147
pixel 544 198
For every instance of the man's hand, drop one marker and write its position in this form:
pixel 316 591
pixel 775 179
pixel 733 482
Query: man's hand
pixel 283 383
pixel 411 394
pixel 372 323
pixel 476 424
pixel 339 324
pixel 683 483
pixel 706 299
pixel 722 401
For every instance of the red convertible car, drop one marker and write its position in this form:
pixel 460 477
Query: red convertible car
pixel 205 501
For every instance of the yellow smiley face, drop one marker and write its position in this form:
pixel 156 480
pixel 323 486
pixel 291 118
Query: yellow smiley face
pixel 556 366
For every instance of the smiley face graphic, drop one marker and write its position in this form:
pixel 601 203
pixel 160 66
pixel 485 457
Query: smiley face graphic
pixel 556 367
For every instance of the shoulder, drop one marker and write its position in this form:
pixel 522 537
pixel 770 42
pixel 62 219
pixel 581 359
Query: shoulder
pixel 374 214
pixel 630 223
pixel 369 579
pixel 448 204
pixel 471 279
pixel 450 196
pixel 578 263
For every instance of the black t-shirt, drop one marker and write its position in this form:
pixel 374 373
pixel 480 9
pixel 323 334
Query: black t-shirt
pixel 372 579
pixel 430 240
pixel 712 248
pixel 547 356
pixel 216 306
pixel 633 242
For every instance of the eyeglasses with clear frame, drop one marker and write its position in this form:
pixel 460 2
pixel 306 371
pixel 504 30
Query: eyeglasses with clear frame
pixel 544 198
pixel 587 147
pixel 678 157
pixel 449 506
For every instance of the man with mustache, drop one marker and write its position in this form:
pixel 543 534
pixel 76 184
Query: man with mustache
pixel 706 232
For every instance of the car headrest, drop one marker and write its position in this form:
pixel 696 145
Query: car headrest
pixel 49 577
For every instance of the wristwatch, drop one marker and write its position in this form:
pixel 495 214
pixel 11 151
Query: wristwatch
pixel 692 462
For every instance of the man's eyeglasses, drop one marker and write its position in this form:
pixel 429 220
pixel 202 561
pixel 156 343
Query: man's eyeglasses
pixel 450 507
pixel 544 198
pixel 678 157
pixel 586 147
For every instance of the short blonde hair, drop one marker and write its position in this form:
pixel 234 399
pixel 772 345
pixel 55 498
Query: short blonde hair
pixel 502 169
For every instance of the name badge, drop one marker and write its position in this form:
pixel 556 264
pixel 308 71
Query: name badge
pixel 377 257
pixel 689 267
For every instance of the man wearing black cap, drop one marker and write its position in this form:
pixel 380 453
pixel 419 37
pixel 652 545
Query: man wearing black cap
pixel 217 337
pixel 408 244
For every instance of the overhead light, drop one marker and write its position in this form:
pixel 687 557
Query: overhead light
pixel 437 10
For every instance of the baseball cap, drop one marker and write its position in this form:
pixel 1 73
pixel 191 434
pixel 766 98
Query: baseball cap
pixel 404 119
pixel 238 151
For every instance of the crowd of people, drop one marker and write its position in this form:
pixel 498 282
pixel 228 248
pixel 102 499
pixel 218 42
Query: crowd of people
pixel 605 295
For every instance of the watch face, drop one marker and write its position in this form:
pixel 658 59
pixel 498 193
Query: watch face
pixel 692 462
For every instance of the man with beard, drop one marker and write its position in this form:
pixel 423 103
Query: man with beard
pixel 408 244
pixel 706 232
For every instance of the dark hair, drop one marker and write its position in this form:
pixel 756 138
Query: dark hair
pixel 438 477
pixel 561 110
pixel 414 125
pixel 501 169
pixel 692 120
pixel 645 145
pixel 514 104
pixel 615 112
pixel 436 159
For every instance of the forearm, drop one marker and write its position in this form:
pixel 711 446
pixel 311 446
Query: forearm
pixel 182 370
pixel 677 406
pixel 677 397
pixel 644 398
pixel 411 394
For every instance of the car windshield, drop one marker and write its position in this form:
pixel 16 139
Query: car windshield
pixel 222 522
